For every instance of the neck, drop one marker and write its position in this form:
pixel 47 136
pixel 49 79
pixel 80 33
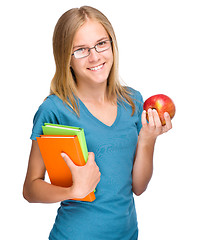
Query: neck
pixel 91 93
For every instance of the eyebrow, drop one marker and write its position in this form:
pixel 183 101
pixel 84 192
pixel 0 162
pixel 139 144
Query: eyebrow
pixel 84 45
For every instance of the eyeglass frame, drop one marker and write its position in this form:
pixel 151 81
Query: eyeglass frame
pixel 89 49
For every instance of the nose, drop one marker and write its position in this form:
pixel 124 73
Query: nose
pixel 94 55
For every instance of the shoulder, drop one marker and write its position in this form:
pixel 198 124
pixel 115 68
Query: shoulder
pixel 135 94
pixel 46 113
pixel 137 99
pixel 50 104
pixel 48 108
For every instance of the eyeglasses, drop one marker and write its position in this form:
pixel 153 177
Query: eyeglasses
pixel 99 47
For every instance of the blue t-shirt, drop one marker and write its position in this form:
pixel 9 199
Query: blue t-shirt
pixel 112 215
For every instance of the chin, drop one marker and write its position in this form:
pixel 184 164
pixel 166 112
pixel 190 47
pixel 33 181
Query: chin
pixel 99 79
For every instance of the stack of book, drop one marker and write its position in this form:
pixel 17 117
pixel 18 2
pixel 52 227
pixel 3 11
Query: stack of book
pixel 70 140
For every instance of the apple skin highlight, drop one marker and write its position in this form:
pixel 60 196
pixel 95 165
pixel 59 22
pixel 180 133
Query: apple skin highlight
pixel 162 103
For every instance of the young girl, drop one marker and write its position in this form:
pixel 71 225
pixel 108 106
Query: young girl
pixel 86 92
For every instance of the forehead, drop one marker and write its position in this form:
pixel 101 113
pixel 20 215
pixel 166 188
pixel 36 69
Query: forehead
pixel 90 32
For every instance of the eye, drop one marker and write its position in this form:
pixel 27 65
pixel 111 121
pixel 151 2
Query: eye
pixel 80 50
pixel 101 44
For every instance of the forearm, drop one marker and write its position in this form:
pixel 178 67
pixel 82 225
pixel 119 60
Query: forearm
pixel 143 165
pixel 39 191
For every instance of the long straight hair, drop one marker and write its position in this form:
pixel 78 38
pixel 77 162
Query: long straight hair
pixel 63 83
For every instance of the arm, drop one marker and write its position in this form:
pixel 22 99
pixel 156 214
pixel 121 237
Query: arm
pixel 37 190
pixel 143 163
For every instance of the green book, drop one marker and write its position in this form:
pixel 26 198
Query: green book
pixel 56 129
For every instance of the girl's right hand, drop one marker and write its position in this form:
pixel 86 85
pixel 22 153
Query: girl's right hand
pixel 85 178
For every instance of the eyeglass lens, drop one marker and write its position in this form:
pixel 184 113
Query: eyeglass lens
pixel 99 47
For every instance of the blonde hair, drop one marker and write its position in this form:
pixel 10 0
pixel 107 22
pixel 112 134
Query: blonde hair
pixel 63 83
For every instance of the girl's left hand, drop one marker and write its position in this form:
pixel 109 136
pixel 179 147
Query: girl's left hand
pixel 152 129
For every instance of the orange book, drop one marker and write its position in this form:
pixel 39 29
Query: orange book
pixel 51 147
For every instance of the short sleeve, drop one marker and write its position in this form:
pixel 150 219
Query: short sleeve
pixel 139 110
pixel 138 101
pixel 46 113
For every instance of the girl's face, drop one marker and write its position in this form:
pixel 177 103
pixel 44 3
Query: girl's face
pixel 95 68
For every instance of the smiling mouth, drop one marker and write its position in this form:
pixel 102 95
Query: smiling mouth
pixel 97 67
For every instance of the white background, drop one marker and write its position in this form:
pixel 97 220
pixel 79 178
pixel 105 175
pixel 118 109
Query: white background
pixel 159 53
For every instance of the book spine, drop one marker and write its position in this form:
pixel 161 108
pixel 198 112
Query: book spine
pixel 79 152
pixel 84 145
pixel 91 196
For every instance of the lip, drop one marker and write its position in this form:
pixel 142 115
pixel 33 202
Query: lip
pixel 97 69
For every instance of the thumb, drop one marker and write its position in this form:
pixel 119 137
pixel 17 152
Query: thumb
pixel 91 157
pixel 68 161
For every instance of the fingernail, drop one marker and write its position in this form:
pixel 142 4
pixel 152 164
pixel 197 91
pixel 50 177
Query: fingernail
pixel 63 155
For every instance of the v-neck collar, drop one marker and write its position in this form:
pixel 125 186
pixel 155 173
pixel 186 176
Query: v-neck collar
pixel 99 121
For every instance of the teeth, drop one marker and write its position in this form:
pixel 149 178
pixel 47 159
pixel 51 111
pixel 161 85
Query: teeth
pixel 96 68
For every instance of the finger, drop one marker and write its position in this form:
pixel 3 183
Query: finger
pixel 91 158
pixel 167 120
pixel 91 155
pixel 68 161
pixel 91 161
pixel 156 118
pixel 150 116
pixel 143 118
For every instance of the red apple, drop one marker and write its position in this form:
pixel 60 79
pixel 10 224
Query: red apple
pixel 162 104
